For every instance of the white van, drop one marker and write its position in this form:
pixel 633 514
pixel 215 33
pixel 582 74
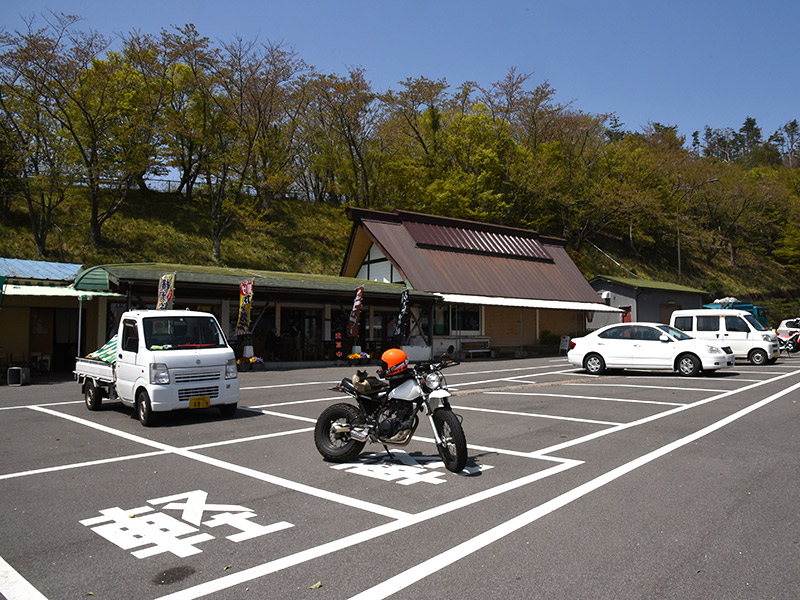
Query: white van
pixel 735 328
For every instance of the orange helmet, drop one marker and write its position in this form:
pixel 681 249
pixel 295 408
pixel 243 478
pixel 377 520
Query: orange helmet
pixel 393 361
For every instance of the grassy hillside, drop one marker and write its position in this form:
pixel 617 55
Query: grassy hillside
pixel 303 237
pixel 296 236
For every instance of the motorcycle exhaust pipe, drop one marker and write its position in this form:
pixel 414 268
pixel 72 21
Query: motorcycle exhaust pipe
pixel 356 434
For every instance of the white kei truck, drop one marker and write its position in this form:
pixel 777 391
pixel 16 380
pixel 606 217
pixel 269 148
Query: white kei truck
pixel 162 360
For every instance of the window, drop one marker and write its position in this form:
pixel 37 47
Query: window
pixel 707 323
pixel 684 323
pixel 736 324
pixel 646 333
pixel 466 318
pixel 618 333
pixel 172 333
pixel 130 337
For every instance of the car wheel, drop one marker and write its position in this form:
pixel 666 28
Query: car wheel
pixel 594 364
pixel 758 357
pixel 688 365
pixel 144 410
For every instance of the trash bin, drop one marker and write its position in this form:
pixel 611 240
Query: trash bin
pixel 18 375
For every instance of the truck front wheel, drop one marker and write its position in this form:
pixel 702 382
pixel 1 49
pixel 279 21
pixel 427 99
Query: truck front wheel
pixel 144 409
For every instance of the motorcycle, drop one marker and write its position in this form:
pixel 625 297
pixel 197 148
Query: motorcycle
pixel 789 343
pixel 386 413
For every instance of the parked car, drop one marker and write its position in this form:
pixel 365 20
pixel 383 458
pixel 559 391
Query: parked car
pixel 647 346
pixel 788 327
pixel 735 328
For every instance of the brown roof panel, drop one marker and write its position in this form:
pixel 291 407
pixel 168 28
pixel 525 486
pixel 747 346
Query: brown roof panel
pixel 456 263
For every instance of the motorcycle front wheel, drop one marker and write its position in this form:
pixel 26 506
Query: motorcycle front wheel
pixel 453 448
pixel 332 445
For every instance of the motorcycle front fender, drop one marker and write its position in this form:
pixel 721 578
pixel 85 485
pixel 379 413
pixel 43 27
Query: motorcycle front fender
pixel 438 398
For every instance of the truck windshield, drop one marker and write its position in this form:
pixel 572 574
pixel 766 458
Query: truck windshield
pixel 755 323
pixel 181 333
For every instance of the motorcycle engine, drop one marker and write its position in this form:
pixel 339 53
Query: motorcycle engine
pixel 395 420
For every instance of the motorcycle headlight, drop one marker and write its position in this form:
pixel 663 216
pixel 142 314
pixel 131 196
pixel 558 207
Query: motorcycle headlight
pixel 159 373
pixel 433 380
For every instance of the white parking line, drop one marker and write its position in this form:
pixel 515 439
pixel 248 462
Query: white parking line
pixel 646 387
pixel 234 579
pixel 448 557
pixel 14 586
pixel 570 396
pixel 261 476
pixel 538 416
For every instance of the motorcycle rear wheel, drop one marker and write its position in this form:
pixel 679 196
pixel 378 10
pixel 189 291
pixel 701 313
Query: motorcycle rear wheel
pixel 453 449
pixel 337 447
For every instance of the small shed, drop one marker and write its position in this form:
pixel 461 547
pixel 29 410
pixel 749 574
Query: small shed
pixel 641 299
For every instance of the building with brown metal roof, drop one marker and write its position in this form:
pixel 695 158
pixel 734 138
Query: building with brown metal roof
pixel 504 289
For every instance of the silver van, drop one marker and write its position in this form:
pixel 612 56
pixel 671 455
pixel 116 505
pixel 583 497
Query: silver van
pixel 738 329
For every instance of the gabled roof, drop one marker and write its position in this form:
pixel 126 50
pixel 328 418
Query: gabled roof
pixel 648 284
pixel 454 256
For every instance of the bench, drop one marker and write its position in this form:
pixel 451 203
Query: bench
pixel 475 346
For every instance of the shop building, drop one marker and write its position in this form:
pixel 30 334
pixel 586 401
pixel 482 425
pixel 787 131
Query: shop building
pixel 502 290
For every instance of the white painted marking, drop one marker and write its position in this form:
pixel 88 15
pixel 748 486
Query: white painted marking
pixel 279 481
pixel 570 396
pixel 538 416
pixel 442 560
pixel 363 536
pixel 285 385
pixel 14 586
pixel 90 463
pixel 645 387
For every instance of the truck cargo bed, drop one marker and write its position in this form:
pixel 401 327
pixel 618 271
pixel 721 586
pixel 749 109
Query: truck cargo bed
pixel 94 369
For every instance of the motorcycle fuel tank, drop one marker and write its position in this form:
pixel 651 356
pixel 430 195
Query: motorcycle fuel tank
pixel 408 390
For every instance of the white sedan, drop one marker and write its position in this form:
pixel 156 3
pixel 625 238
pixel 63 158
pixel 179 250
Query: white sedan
pixel 647 346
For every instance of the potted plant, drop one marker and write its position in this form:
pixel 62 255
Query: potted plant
pixel 243 364
pixel 256 363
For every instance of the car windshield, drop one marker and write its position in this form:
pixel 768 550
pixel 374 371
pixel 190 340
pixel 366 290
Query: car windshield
pixel 754 322
pixel 182 332
pixel 676 333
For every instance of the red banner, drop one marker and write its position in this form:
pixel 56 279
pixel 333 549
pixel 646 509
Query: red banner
pixel 245 304
pixel 355 314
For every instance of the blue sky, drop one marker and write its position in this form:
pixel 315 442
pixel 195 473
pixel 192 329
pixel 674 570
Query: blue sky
pixel 686 63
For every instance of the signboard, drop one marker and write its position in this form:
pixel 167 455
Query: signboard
pixel 166 291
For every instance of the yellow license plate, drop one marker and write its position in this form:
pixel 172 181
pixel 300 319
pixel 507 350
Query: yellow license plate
pixel 200 402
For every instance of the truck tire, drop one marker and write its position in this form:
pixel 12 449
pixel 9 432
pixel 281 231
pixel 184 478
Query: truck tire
pixel 228 410
pixel 93 395
pixel 144 409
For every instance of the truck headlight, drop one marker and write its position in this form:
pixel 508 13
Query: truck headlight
pixel 766 337
pixel 159 373
pixel 231 372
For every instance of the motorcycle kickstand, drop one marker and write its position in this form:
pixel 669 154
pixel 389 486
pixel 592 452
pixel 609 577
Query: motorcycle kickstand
pixel 389 452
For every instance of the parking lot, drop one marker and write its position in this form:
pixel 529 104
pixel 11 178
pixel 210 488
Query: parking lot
pixel 626 485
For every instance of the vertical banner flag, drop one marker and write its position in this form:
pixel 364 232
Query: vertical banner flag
pixel 166 291
pixel 355 314
pixel 400 325
pixel 245 305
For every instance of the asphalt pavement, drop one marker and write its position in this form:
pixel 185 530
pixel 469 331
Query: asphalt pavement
pixel 628 485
